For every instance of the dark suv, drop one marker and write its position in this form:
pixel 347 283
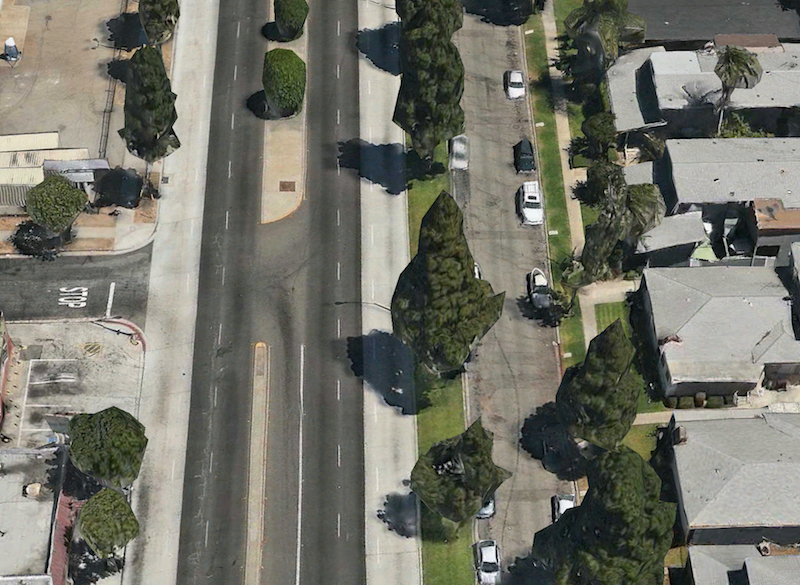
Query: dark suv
pixel 524 161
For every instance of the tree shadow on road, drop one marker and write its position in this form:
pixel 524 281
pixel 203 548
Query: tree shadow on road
pixel 399 513
pixel 387 365
pixel 500 12
pixel 545 438
pixel 126 32
pixel 388 165
pixel 525 570
pixel 381 46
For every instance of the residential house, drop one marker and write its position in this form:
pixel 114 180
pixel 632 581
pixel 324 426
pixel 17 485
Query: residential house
pixel 682 23
pixel 735 479
pixel 717 329
pixel 741 564
pixel 672 242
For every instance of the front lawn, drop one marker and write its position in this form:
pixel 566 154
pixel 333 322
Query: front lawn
pixel 422 194
pixel 642 439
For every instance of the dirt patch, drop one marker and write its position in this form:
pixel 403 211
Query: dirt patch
pixel 89 244
pixel 10 222
pixel 147 212
pixel 95 220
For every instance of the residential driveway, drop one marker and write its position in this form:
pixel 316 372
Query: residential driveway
pixel 516 366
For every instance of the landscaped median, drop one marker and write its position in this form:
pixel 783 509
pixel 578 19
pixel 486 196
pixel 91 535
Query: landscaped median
pixel 443 563
pixel 573 348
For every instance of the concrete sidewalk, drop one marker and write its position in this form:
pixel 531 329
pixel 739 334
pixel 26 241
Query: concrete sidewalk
pixel 284 177
pixel 390 438
pixel 598 293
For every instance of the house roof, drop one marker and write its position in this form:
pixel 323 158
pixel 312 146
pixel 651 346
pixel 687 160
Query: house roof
pixel 35 141
pixel 638 173
pixel 711 170
pixel 772 217
pixel 777 570
pixel 25 548
pixel 692 20
pixel 685 79
pixel 675 230
pixel 621 78
pixel 740 472
pixel 21 176
pixel 696 306
pixel 712 563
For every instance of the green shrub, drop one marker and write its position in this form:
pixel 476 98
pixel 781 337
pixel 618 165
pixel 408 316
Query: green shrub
pixel 671 402
pixel 290 16
pixel 284 80
pixel 55 203
pixel 686 402
pixel 715 402
pixel 158 18
pixel 107 523
pixel 729 399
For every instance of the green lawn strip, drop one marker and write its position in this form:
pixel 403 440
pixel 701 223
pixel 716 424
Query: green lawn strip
pixel 442 563
pixel 589 214
pixel 422 194
pixel 676 557
pixel 606 314
pixel 562 9
pixel 641 438
pixel 552 180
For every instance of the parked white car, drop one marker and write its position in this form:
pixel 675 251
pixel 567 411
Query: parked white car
pixel 562 503
pixel 459 152
pixel 488 562
pixel 488 509
pixel 514 83
pixel 529 203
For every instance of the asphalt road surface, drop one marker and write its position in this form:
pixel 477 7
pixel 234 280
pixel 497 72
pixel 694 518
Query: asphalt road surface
pixel 76 287
pixel 277 284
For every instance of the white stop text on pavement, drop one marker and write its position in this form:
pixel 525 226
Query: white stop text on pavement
pixel 73 297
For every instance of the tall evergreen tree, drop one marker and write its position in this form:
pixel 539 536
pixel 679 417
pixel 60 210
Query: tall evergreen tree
pixel 108 445
pixel 284 80
pixel 456 475
pixel 601 133
pixel 439 308
pixel 644 208
pixel 159 18
pixel 290 17
pixel 55 203
pixel 149 107
pixel 107 523
pixel 619 534
pixel 597 400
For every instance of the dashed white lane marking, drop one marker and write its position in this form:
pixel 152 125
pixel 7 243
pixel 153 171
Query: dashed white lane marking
pixel 223 276
pixel 338 216
pixel 339 455
pixel 238 29
pixel 205 539
pixel 338 28
pixel 229 162
pixel 233 115
pixel 227 217
pixel 338 271
pixel 338 168
pixel 338 525
pixel 235 71
pixel 110 302
pixel 219 335
pixel 211 464
pixel 337 72
pixel 338 117
pixel 338 390
pixel 338 328
pixel 215 396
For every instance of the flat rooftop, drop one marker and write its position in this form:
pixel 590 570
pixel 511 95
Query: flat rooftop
pixel 693 20
pixel 722 170
pixel 26 521
pixel 773 218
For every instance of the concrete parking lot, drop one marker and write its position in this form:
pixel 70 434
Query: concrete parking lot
pixel 67 367
pixel 516 368
pixel 60 84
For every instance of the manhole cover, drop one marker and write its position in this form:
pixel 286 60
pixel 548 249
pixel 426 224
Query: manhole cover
pixel 91 349
pixel 286 186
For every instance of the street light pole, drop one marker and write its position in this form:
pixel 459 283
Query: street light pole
pixel 362 303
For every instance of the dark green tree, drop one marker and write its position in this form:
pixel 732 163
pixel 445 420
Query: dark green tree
pixel 601 238
pixel 284 79
pixel 428 104
pixel 439 309
pixel 55 203
pixel 601 133
pixel 108 445
pixel 597 399
pixel 149 107
pixel 158 18
pixel 290 17
pixel 35 240
pixel 619 534
pixel 456 475
pixel 601 175
pixel 644 208
pixel 107 523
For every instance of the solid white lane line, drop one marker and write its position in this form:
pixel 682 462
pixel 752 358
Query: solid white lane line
pixel 229 162
pixel 338 389
pixel 235 71
pixel 233 115
pixel 205 539
pixel 300 471
pixel 238 29
pixel 110 302
pixel 337 72
pixel 227 217
pixel 223 276
pixel 338 328
pixel 211 464
pixel 219 335
pixel 338 271
pixel 339 455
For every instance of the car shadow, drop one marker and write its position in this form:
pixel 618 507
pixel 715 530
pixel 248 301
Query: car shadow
pixel 388 165
pixel 387 365
pixel 381 46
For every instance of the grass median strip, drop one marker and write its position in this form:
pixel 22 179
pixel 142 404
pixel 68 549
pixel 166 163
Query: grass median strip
pixel 443 563
pixel 560 244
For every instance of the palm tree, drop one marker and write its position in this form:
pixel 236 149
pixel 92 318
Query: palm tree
pixel 736 68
